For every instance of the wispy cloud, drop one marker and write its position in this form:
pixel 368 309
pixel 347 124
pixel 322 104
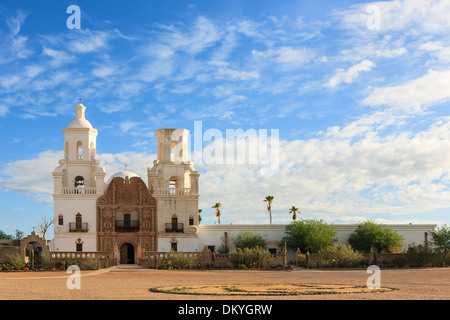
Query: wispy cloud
pixel 349 75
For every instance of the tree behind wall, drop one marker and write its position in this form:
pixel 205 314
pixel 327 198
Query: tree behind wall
pixel 369 235
pixel 309 235
pixel 249 240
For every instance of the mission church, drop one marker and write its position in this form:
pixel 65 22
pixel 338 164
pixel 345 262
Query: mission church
pixel 126 217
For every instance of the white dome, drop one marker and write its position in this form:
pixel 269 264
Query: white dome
pixel 80 121
pixel 123 174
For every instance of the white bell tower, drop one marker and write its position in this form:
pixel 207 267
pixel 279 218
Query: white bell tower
pixel 173 181
pixel 78 182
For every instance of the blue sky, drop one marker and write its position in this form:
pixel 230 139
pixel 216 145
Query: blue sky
pixel 362 112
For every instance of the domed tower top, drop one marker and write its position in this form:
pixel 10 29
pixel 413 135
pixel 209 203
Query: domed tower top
pixel 80 120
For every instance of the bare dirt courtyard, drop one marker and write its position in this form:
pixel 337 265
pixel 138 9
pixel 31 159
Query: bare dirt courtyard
pixel 118 283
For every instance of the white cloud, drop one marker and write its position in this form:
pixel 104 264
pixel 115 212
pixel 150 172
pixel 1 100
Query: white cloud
pixel 332 176
pixel 230 74
pixel 349 75
pixel 127 125
pixel 84 41
pixel 294 57
pixel 15 23
pixel 4 110
pixel 437 49
pixel 412 96
pixel 104 71
pixel 411 16
pixel 201 35
pixel 31 176
pixel 59 57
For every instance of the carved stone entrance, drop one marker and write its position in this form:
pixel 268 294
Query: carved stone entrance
pixel 127 220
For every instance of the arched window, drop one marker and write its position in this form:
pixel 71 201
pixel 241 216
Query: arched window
pixel 79 182
pixel 79 245
pixel 60 220
pixel 173 182
pixel 79 150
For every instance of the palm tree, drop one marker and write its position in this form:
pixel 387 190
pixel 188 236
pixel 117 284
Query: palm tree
pixel 294 212
pixel 199 216
pixel 217 206
pixel 269 200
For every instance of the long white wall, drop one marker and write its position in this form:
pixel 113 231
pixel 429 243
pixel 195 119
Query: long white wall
pixel 212 235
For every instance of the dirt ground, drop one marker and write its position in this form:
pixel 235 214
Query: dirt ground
pixel 135 284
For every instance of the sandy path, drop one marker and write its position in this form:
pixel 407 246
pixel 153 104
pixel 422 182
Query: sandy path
pixel 124 284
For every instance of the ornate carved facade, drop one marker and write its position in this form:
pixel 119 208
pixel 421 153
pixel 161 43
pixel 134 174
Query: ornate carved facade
pixel 127 216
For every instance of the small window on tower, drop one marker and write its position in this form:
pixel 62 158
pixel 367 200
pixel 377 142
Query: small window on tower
pixel 79 150
pixel 60 220
pixel 173 183
pixel 79 182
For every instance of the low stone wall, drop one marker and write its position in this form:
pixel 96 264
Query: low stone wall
pixel 224 260
pixel 154 259
pixel 8 250
pixel 387 260
pixel 104 259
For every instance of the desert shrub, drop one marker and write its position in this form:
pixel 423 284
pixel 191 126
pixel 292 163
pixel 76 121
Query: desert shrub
pixel 419 256
pixel 340 256
pixel 91 263
pixel 14 262
pixel 45 260
pixel 64 263
pixel 249 240
pixel 251 257
pixel 178 260
pixel 398 261
pixel 224 248
pixel 302 262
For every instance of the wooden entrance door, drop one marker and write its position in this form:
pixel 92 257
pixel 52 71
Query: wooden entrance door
pixel 127 254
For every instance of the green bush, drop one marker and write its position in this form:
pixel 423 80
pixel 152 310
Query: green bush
pixel 178 260
pixel 14 262
pixel 302 262
pixel 91 263
pixel 340 256
pixel 309 235
pixel 251 257
pixel 64 263
pixel 249 240
pixel 370 235
pixel 419 256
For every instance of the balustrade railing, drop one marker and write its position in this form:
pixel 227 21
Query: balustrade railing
pixel 175 191
pixel 79 190
pixel 78 227
pixel 175 227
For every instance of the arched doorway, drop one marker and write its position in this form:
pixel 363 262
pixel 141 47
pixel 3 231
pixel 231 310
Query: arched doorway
pixel 33 254
pixel 34 250
pixel 127 254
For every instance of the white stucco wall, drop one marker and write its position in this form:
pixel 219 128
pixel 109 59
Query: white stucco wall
pixel 69 207
pixel 212 235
